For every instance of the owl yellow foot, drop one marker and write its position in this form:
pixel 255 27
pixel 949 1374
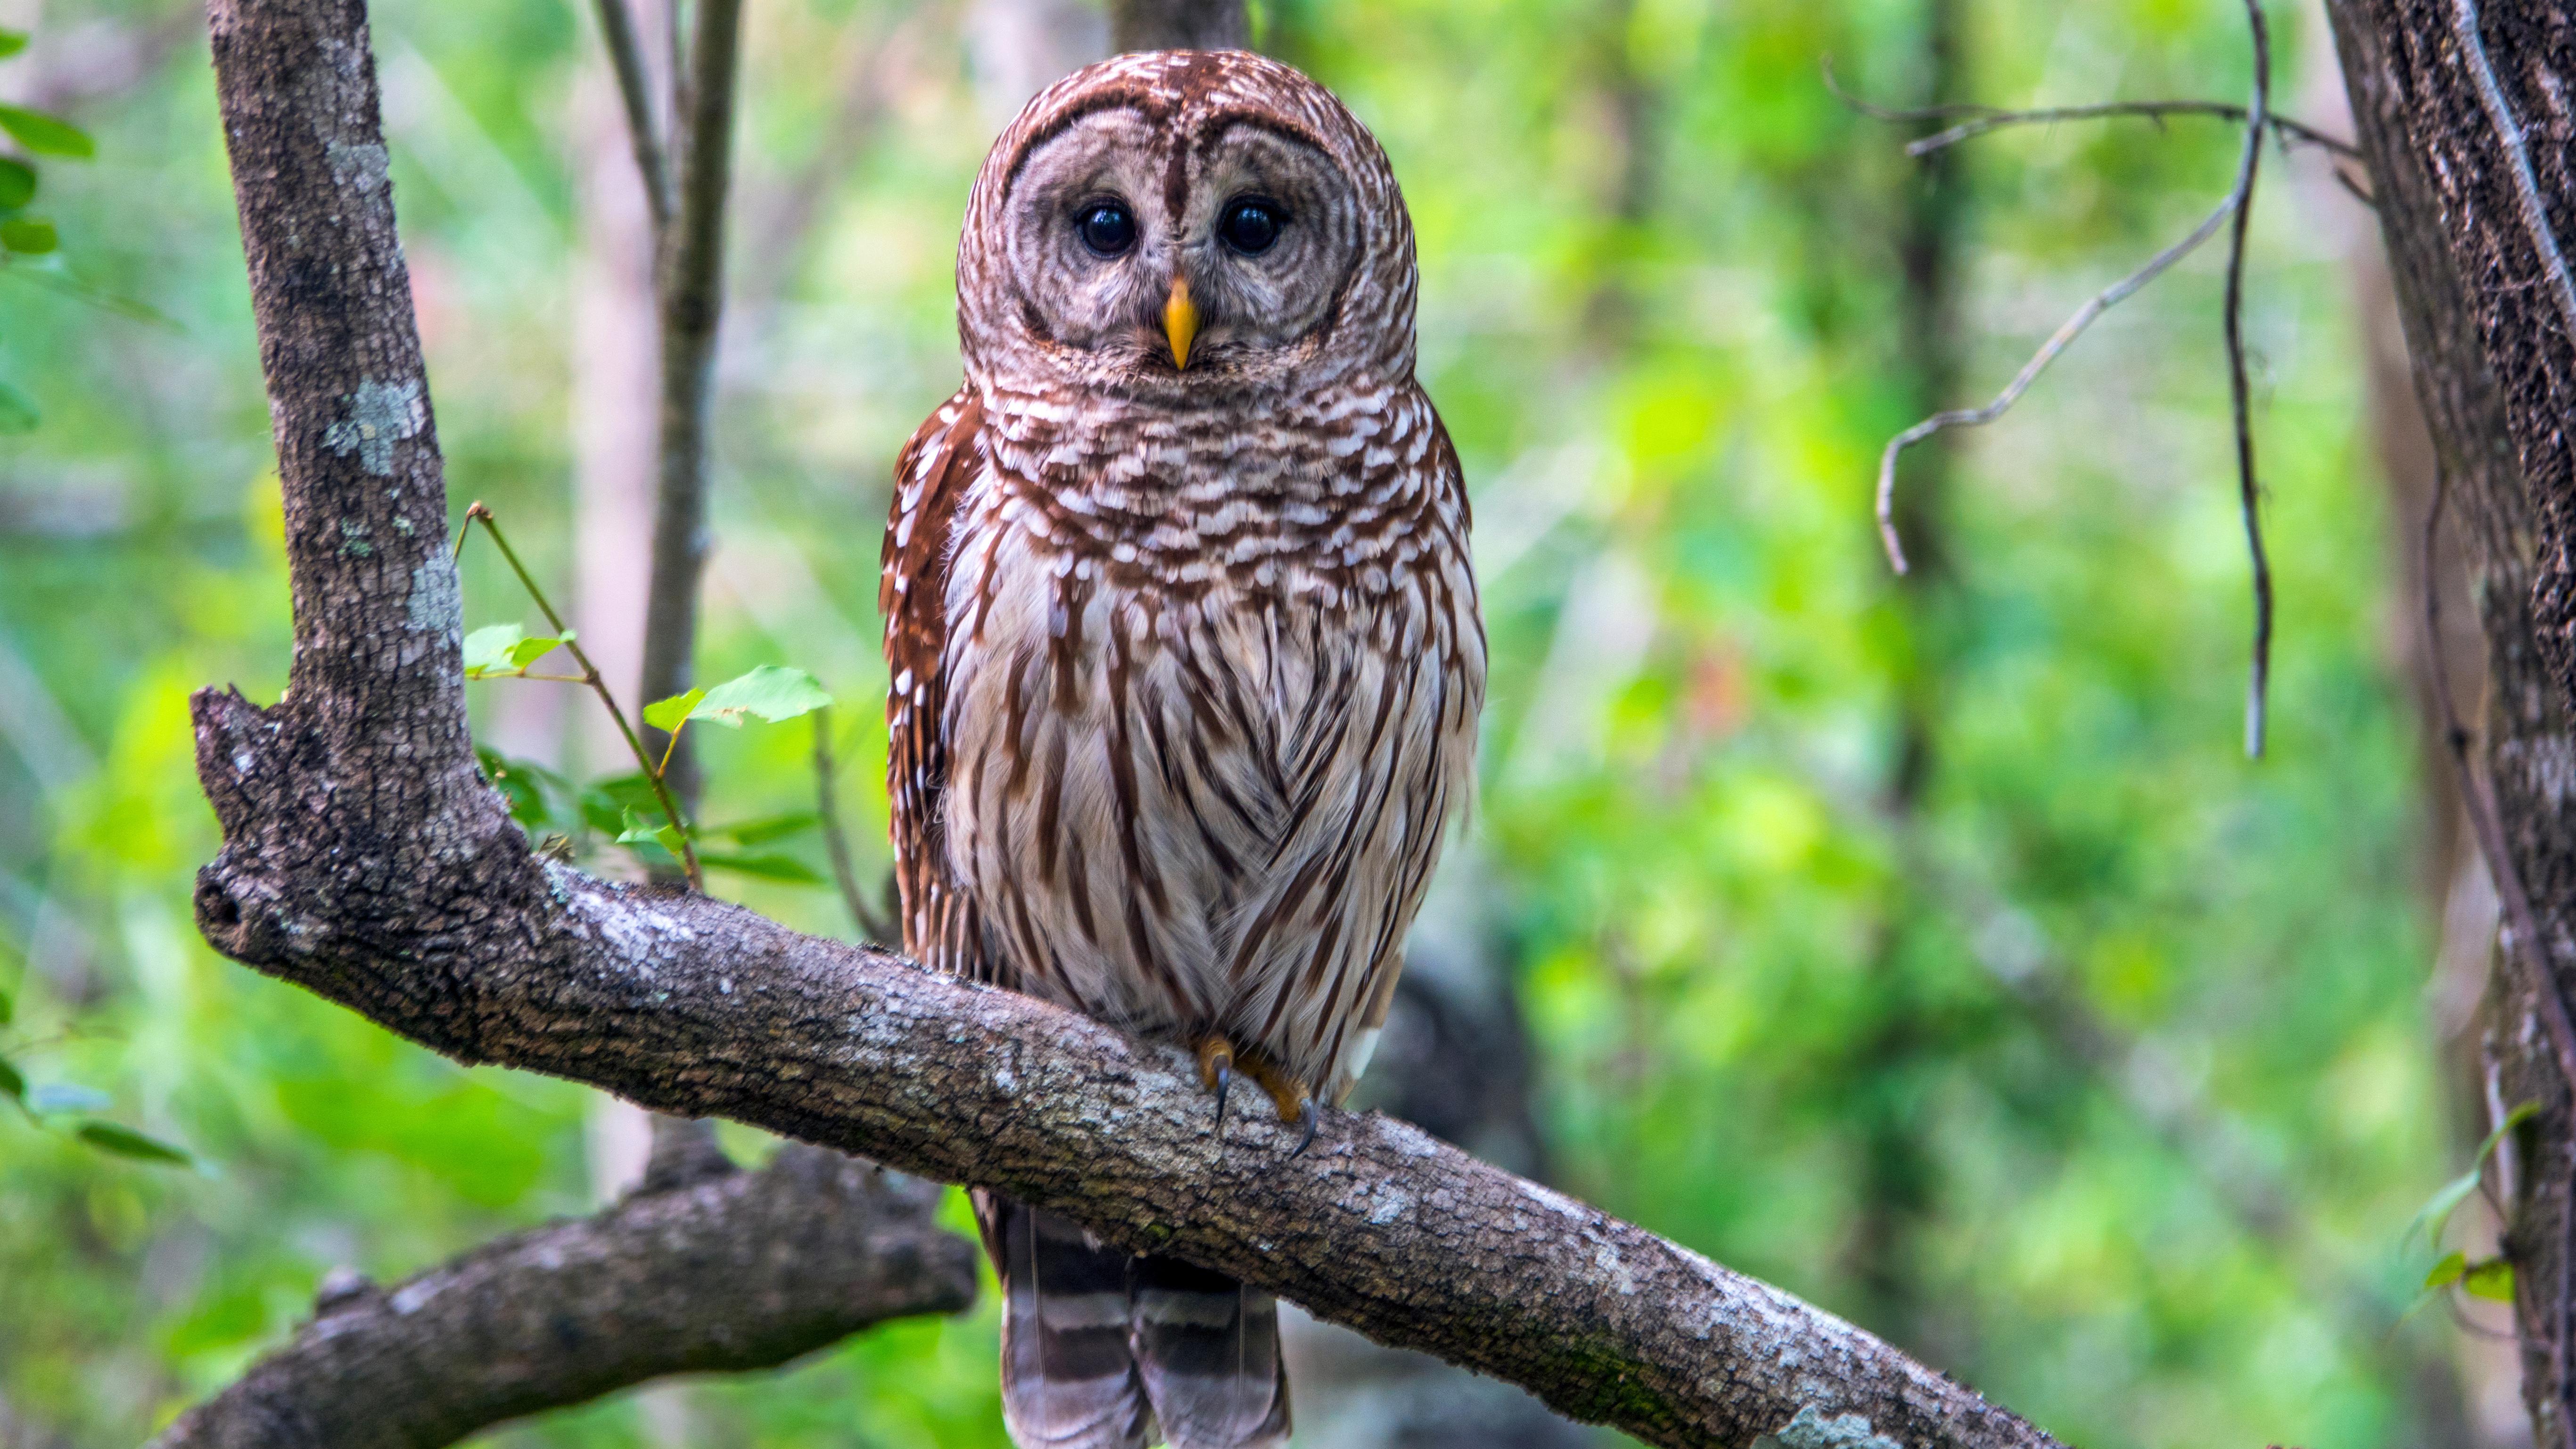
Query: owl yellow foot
pixel 1295 1101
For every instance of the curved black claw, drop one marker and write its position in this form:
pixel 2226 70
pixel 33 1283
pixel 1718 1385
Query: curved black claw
pixel 1224 1079
pixel 1306 1119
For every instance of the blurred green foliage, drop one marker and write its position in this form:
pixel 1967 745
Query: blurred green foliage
pixel 1777 1020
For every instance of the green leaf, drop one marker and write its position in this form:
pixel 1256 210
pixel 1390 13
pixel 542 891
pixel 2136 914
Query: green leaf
pixel 17 412
pixel 667 715
pixel 2447 1271
pixel 488 649
pixel 765 829
pixel 17 184
pixel 13 1084
pixel 11 42
pixel 766 867
pixel 126 1142
pixel 67 1097
pixel 2491 1280
pixel 529 651
pixel 46 135
pixel 641 831
pixel 2437 1209
pixel 2436 1212
pixel 28 235
pixel 772 692
pixel 8 1008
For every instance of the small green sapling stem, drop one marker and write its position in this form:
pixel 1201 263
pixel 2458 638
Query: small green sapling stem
pixel 478 512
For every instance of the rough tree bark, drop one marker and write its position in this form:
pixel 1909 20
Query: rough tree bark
pixel 2465 122
pixel 365 859
pixel 745 1272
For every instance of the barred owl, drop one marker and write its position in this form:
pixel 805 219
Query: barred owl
pixel 1185 657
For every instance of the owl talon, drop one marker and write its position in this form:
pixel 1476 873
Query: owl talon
pixel 1216 1071
pixel 1307 1118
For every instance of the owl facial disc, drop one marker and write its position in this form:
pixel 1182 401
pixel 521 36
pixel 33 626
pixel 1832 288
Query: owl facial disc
pixel 1189 230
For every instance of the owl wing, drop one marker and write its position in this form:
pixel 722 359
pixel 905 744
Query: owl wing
pixel 931 477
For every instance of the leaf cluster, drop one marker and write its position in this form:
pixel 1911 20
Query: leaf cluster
pixel 577 821
pixel 2490 1278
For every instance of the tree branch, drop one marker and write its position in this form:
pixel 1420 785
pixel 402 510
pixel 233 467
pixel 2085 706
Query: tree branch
pixel 1979 119
pixel 366 860
pixel 744 1272
pixel 696 1007
pixel 2249 492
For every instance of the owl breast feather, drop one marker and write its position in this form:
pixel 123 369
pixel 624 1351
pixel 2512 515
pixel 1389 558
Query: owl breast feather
pixel 1188 796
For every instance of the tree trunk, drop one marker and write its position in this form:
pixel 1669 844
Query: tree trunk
pixel 2464 122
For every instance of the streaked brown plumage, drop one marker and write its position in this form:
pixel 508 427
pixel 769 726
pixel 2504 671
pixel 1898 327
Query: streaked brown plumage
pixel 1185 651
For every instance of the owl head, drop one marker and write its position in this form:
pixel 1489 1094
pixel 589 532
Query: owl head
pixel 1186 228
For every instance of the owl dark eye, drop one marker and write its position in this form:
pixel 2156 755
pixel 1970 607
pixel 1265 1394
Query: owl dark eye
pixel 1108 228
pixel 1250 224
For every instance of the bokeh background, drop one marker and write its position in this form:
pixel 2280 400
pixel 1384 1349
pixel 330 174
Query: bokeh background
pixel 1927 948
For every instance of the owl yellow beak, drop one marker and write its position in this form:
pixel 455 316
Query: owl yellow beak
pixel 1180 321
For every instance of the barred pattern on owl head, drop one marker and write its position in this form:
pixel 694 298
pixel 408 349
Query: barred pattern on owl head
pixel 1185 651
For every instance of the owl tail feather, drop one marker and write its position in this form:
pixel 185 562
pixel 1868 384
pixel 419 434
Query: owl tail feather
pixel 1103 1350
pixel 1207 1348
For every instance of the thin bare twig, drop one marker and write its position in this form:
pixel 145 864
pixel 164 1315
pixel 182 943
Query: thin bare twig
pixel 2249 491
pixel 836 841
pixel 2486 823
pixel 477 512
pixel 2057 342
pixel 1981 118
pixel 635 89
pixel 2289 131
pixel 2258 120
pixel 2352 188
pixel 2470 1326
